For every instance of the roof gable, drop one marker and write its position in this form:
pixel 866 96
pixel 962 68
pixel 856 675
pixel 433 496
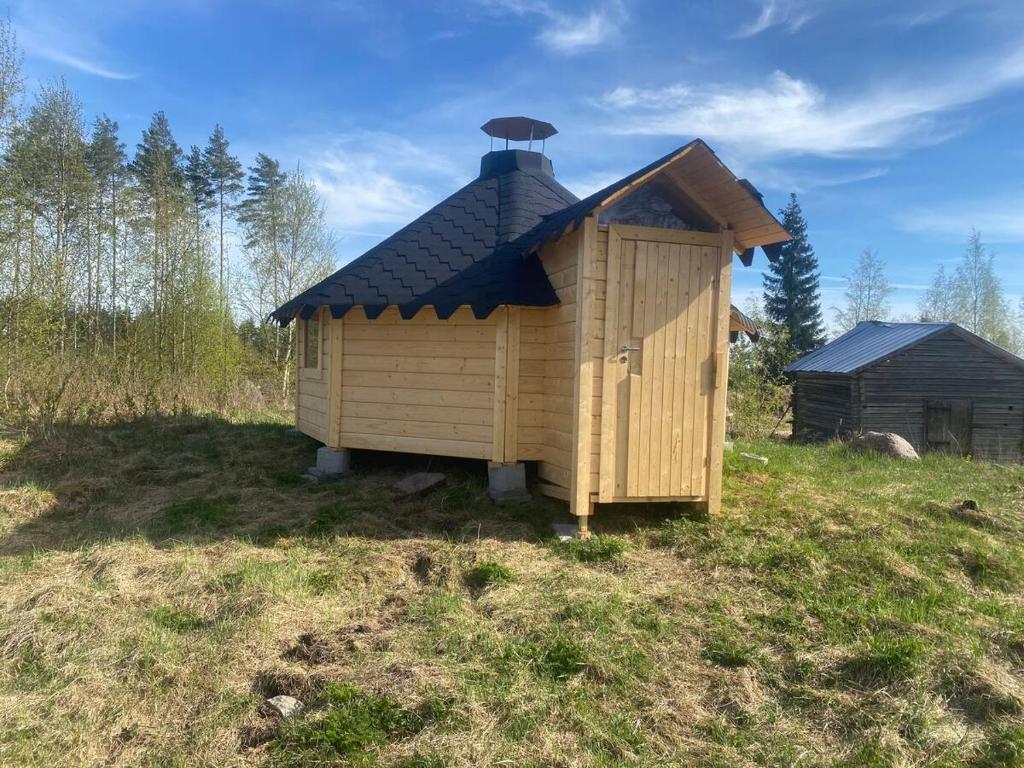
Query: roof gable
pixel 871 342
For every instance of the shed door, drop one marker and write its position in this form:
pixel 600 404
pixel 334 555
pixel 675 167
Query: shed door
pixel 948 426
pixel 658 377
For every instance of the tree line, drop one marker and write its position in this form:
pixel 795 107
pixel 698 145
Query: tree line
pixel 971 295
pixel 115 273
pixel 792 323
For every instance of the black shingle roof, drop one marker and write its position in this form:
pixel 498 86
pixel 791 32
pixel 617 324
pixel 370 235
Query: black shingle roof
pixel 477 248
pixel 458 253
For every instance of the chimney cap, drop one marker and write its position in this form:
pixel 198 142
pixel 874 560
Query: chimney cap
pixel 518 129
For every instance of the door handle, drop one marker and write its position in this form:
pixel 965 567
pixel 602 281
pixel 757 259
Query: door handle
pixel 627 348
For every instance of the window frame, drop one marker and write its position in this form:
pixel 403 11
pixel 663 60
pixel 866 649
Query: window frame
pixel 312 371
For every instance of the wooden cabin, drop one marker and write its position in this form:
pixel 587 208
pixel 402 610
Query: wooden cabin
pixel 938 385
pixel 515 322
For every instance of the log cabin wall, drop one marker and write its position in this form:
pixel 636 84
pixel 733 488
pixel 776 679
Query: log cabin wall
pixel 546 368
pixel 420 386
pixel 893 394
pixel 824 405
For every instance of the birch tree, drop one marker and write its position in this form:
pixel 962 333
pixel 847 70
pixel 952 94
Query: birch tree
pixel 867 292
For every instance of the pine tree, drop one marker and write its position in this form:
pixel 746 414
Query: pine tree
pixel 791 290
pixel 108 165
pixel 157 166
pixel 200 188
pixel 226 178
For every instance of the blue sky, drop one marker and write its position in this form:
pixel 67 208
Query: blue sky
pixel 899 124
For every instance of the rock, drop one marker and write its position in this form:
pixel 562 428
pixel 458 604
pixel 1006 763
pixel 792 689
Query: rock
pixel 284 706
pixel 755 457
pixel 969 505
pixel 566 531
pixel 885 443
pixel 418 482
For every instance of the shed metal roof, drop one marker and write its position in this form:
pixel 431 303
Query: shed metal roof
pixel 873 341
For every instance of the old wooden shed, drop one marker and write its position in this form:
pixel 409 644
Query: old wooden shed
pixel 936 384
pixel 514 322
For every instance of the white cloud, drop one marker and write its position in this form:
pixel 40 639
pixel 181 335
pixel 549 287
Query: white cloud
pixel 801 182
pixel 787 115
pixel 569 34
pixel 999 220
pixel 791 14
pixel 59 37
pixel 565 32
pixel 372 182
pixel 82 65
pixel 588 184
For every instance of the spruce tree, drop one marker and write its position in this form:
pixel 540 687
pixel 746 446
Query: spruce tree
pixel 791 288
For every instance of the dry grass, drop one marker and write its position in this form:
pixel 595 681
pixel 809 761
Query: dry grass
pixel 160 579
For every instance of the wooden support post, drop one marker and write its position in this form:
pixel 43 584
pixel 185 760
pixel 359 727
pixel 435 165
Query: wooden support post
pixel 583 521
pixel 587 355
pixel 334 380
pixel 512 385
pixel 720 358
pixel 501 379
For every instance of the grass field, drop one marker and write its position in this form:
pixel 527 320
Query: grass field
pixel 160 579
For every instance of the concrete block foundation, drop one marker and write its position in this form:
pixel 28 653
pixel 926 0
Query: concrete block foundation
pixel 507 482
pixel 332 462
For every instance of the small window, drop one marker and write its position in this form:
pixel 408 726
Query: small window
pixel 311 351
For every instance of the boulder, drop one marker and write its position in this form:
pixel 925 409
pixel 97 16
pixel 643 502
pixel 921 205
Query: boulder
pixel 885 443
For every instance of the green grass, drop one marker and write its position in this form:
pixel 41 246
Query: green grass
pixel 343 723
pixel 486 573
pixel 162 578
pixel 596 549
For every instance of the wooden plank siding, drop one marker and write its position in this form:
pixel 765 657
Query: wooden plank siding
pixel 422 385
pixel 823 405
pixel 893 394
pixel 547 344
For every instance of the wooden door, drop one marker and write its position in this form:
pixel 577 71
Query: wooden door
pixel 658 382
pixel 948 426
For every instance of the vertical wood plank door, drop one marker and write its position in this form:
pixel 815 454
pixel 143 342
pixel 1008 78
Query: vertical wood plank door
pixel 948 426
pixel 658 367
